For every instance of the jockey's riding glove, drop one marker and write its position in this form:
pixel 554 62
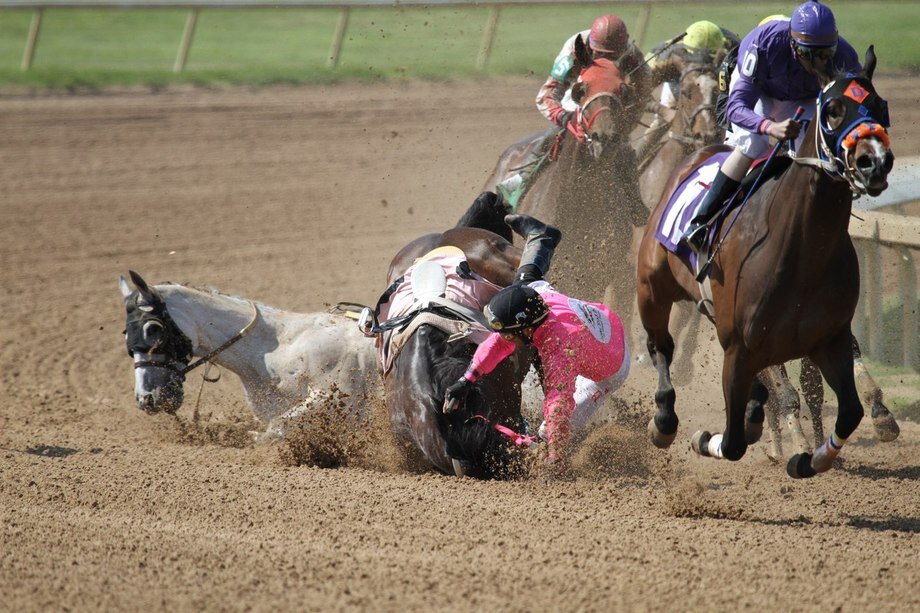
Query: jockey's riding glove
pixel 564 118
pixel 456 394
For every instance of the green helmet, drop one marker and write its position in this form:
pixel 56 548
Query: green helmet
pixel 705 36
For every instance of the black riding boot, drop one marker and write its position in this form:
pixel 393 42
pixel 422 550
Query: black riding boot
pixel 541 241
pixel 722 187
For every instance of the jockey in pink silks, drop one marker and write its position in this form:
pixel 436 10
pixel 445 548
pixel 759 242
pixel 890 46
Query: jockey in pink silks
pixel 582 345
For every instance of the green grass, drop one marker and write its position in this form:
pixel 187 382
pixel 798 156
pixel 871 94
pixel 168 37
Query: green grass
pixel 100 47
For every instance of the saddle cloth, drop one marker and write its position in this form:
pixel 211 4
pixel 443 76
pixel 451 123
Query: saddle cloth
pixel 683 204
pixel 464 287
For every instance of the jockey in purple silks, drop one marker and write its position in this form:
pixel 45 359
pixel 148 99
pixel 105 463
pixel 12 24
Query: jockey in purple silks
pixel 582 345
pixel 782 65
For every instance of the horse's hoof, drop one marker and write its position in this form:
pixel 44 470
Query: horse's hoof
pixel 752 431
pixel 700 442
pixel 458 467
pixel 886 427
pixel 662 441
pixel 799 466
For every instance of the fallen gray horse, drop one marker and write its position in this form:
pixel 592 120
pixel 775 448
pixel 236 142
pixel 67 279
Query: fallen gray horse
pixel 289 363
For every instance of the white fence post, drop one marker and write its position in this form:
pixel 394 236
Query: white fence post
pixel 29 53
pixel 488 37
pixel 182 57
pixel 336 49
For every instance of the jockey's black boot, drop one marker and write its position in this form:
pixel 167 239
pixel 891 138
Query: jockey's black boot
pixel 722 187
pixel 541 241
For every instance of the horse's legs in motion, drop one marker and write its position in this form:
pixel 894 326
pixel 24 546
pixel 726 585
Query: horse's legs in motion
pixel 886 427
pixel 754 412
pixel 662 428
pixel 813 390
pixel 835 359
pixel 785 400
pixel 737 379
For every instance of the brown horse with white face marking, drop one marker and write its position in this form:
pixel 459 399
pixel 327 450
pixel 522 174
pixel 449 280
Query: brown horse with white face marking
pixel 786 281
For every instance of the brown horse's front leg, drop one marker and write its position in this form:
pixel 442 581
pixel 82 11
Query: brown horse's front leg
pixel 662 428
pixel 737 378
pixel 835 359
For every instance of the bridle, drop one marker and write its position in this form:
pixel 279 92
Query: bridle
pixel 835 145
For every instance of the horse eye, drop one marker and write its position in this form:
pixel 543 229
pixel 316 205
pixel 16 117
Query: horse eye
pixel 152 331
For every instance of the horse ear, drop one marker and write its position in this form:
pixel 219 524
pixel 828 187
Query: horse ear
pixel 581 52
pixel 871 61
pixel 123 287
pixel 142 287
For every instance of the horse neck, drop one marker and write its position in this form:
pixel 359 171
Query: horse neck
pixel 820 217
pixel 210 320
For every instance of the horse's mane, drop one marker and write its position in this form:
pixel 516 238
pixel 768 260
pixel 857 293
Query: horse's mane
pixel 469 438
pixel 488 213
pixel 213 291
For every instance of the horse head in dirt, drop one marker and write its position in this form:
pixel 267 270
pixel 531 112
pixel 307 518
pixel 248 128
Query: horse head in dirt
pixel 289 363
pixel 430 322
pixel 784 278
pixel 161 351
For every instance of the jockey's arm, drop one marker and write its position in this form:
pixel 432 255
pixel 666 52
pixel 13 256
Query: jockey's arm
pixel 559 402
pixel 549 101
pixel 488 355
pixel 561 77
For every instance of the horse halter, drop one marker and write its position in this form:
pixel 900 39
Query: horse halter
pixel 171 349
pixel 866 115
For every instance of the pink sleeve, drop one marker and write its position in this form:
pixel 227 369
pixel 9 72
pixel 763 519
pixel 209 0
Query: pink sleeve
pixel 558 404
pixel 488 355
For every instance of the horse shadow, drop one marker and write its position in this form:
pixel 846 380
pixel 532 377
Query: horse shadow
pixel 874 473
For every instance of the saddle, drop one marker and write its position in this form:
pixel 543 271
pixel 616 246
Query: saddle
pixel 545 149
pixel 439 289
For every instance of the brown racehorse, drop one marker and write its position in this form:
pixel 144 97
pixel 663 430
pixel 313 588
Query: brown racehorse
pixel 463 442
pixel 785 281
pixel 585 188
pixel 695 126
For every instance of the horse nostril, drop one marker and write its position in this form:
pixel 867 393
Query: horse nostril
pixel 146 403
pixel 864 163
pixel 888 164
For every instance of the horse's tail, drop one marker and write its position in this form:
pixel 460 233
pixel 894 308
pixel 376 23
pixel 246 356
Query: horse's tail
pixel 488 213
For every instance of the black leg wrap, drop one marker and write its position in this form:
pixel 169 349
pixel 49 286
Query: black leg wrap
pixel 733 452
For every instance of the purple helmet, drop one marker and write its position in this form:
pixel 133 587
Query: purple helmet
pixel 813 25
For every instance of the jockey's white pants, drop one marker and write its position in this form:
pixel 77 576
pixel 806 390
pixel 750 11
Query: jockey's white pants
pixel 590 395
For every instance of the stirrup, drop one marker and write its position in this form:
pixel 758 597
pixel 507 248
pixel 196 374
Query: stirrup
pixel 695 238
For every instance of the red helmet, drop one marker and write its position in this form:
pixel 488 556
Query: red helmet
pixel 608 35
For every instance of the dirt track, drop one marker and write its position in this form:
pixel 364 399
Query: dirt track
pixel 298 198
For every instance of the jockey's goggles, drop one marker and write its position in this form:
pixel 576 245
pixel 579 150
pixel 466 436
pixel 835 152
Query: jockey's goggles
pixel 815 54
